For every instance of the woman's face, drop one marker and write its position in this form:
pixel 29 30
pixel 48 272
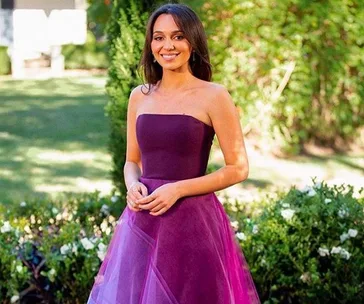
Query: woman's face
pixel 169 46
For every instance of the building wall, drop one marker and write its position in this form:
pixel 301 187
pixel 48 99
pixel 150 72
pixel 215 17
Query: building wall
pixel 46 5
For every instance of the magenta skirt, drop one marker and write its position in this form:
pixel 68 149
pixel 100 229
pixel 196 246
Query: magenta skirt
pixel 188 255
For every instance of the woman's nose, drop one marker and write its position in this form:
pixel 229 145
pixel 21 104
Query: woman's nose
pixel 168 45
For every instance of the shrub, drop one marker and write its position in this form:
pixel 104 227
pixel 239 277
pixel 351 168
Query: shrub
pixel 125 32
pixel 51 251
pixel 292 66
pixel 92 54
pixel 4 61
pixel 306 246
pixel 303 246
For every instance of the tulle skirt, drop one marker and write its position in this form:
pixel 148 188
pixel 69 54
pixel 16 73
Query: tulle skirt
pixel 188 255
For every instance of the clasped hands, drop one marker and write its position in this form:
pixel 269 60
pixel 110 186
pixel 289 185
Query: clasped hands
pixel 157 202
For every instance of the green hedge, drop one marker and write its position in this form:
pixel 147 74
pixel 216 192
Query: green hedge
pixel 4 61
pixel 92 54
pixel 303 246
pixel 125 32
pixel 294 67
pixel 52 250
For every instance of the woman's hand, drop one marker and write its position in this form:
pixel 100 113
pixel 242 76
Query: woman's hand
pixel 160 200
pixel 136 191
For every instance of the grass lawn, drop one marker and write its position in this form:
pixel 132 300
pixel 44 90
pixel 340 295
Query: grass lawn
pixel 53 139
pixel 53 136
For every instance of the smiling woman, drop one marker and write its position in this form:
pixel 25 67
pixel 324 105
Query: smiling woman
pixel 174 243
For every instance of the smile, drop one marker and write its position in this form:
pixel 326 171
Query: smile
pixel 169 56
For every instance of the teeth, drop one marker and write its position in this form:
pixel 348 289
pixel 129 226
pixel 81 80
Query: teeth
pixel 169 56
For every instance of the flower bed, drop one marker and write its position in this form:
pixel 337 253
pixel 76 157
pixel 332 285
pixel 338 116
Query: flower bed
pixel 305 246
pixel 52 250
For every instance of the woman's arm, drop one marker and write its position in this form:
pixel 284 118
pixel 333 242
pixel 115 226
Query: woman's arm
pixel 132 167
pixel 226 123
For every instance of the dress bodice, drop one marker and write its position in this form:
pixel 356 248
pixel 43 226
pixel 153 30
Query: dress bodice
pixel 173 146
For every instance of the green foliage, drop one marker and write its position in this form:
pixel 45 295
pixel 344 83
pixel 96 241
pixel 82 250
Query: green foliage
pixel 4 61
pixel 305 246
pixel 53 250
pixel 293 66
pixel 92 54
pixel 98 13
pixel 126 39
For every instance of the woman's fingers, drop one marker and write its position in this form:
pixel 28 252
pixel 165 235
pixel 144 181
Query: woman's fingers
pixel 144 190
pixel 160 212
pixel 150 205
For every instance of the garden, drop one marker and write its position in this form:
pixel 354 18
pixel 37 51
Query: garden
pixel 294 69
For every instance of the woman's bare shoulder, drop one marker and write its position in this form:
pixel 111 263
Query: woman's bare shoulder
pixel 212 88
pixel 140 91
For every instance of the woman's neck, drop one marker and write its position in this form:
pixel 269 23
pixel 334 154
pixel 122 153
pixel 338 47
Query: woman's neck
pixel 174 81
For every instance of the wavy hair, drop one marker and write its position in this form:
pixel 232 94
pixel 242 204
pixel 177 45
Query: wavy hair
pixel 187 21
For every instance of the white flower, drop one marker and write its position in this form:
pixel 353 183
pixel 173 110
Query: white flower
pixel 311 192
pixel 328 200
pixel 287 214
pixel 336 250
pixel 102 246
pixel 103 225
pixel 52 272
pixel 353 233
pixel 23 204
pixel 255 229
pixel 14 299
pixel 114 199
pixel 27 229
pixel 87 244
pixel 235 224
pixel 305 277
pixel 344 237
pixel 6 227
pixel 19 268
pixel 241 236
pixel 74 248
pixel 105 209
pixel 65 248
pixel 342 213
pixel 54 210
pixel 286 205
pixel 323 251
pixel 345 254
pixel 101 253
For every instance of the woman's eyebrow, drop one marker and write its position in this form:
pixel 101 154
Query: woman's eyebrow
pixel 173 32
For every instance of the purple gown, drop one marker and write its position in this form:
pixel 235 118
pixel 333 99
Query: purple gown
pixel 188 255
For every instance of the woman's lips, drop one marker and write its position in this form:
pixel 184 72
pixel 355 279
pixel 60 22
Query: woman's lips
pixel 169 57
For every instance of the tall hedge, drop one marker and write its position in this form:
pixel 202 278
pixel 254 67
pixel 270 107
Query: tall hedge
pixel 293 66
pixel 125 32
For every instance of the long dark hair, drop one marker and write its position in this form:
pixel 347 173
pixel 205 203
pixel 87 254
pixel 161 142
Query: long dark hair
pixel 187 20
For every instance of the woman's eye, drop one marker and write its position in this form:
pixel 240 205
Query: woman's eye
pixel 158 38
pixel 179 37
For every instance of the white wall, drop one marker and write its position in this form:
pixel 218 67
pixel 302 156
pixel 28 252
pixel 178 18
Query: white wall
pixel 46 5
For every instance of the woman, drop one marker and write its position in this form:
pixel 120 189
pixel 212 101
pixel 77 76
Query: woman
pixel 174 243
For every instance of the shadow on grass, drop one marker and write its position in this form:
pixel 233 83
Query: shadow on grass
pixel 51 132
